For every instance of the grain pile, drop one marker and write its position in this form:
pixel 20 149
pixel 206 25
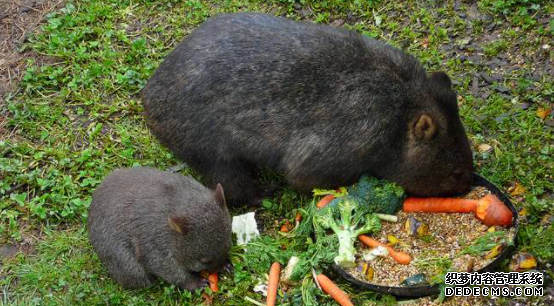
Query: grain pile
pixel 434 253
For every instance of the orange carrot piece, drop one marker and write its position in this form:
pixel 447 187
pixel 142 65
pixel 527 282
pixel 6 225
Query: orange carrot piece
pixel 333 290
pixel 489 209
pixel 439 205
pixel 213 279
pixel 287 227
pixel 325 200
pixel 298 217
pixel 400 257
pixel 274 273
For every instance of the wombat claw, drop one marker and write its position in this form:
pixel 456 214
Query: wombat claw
pixel 198 283
pixel 228 268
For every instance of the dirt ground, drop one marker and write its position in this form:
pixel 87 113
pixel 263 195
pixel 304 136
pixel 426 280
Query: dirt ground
pixel 18 18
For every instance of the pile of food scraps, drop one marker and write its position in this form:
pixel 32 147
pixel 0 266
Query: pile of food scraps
pixel 437 243
pixel 361 229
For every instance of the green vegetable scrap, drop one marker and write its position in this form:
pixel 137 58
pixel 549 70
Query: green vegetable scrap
pixel 350 214
pixel 485 243
pixel 348 219
pixel 381 196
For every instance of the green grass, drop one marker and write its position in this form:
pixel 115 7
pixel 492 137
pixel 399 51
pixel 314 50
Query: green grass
pixel 77 118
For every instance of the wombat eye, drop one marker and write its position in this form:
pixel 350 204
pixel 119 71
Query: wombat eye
pixel 205 260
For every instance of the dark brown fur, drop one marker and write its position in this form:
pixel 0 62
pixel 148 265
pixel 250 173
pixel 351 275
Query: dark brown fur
pixel 322 105
pixel 145 223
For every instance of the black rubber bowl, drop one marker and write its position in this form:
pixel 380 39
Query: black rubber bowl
pixel 413 292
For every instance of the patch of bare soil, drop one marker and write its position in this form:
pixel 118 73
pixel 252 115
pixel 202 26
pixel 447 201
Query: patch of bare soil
pixel 18 18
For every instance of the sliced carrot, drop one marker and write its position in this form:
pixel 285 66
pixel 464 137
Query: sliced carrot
pixel 400 257
pixel 325 200
pixel 213 279
pixel 273 283
pixel 298 217
pixel 287 227
pixel 333 290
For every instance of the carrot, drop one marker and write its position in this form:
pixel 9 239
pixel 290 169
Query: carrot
pixel 439 205
pixel 287 227
pixel 400 257
pixel 297 219
pixel 274 273
pixel 212 279
pixel 333 290
pixel 325 200
pixel 489 209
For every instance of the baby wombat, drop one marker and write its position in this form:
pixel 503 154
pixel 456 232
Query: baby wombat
pixel 145 223
pixel 322 105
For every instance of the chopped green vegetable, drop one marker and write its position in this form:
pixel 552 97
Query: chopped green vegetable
pixel 347 219
pixel 337 194
pixel 484 244
pixel 381 196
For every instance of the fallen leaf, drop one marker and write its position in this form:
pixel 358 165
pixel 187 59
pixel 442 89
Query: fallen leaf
pixel 523 212
pixel 502 89
pixel 547 220
pixel 208 300
pixel 543 112
pixel 425 43
pixel 378 19
pixel 337 23
pixel 517 190
pixel 484 147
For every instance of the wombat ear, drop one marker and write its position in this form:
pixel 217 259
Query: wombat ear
pixel 441 78
pixel 425 127
pixel 178 224
pixel 219 195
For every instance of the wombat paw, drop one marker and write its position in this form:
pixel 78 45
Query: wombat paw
pixel 198 283
pixel 228 268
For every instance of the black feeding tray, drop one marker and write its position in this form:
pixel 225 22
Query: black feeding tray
pixel 421 291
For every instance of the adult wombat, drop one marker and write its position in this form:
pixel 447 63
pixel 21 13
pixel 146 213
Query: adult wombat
pixel 145 223
pixel 323 105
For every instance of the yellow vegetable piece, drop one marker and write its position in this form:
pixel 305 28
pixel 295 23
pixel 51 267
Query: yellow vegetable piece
pixel 523 262
pixel 423 230
pixel 369 273
pixel 392 240
pixel 415 227
pixel 366 270
pixel 494 252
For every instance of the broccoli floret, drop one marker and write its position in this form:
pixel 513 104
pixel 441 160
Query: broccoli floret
pixel 348 219
pixel 381 196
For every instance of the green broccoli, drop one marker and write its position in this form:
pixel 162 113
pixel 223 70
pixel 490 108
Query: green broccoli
pixel 348 218
pixel 381 196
